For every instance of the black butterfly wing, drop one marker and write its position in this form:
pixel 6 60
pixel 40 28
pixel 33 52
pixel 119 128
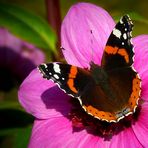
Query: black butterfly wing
pixel 119 48
pixel 78 83
pixel 71 79
pixel 103 100
pixel 123 81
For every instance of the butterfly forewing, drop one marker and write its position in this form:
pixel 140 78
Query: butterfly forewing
pixel 119 48
pixel 70 79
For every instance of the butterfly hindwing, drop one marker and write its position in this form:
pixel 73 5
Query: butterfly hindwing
pixel 70 79
pixel 119 48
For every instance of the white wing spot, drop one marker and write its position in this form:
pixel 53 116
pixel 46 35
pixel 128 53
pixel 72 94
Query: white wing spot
pixel 63 78
pixel 125 29
pixel 45 65
pixel 56 76
pixel 50 73
pixel 125 36
pixel 56 68
pixel 117 33
pixel 122 43
pixel 121 21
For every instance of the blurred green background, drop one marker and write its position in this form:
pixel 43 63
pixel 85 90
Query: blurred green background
pixel 15 123
pixel 114 7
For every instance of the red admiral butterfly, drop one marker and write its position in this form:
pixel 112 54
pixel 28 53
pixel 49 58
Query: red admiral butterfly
pixel 108 92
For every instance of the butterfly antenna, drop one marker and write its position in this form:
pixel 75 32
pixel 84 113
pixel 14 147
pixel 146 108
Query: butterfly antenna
pixel 84 60
pixel 92 53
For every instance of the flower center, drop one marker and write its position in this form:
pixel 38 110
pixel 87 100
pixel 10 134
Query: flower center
pixel 81 120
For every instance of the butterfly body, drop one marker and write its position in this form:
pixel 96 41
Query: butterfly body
pixel 109 91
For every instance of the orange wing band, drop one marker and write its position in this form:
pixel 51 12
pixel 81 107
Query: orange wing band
pixel 116 50
pixel 136 90
pixel 100 114
pixel 72 75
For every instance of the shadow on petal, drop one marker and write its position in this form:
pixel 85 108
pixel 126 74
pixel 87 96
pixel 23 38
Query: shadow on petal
pixel 56 99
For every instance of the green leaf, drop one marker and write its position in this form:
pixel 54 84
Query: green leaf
pixel 21 137
pixel 10 105
pixel 9 100
pixel 134 16
pixel 11 119
pixel 27 26
pixel 15 128
pixel 137 17
pixel 17 137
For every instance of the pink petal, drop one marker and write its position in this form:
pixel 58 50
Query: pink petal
pixel 42 98
pixel 125 139
pixel 29 51
pixel 18 56
pixel 58 133
pixel 141 60
pixel 24 49
pixel 8 40
pixel 140 127
pixel 85 30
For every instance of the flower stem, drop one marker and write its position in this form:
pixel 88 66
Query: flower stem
pixel 54 17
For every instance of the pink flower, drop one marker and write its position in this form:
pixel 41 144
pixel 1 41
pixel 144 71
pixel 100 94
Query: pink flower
pixel 53 126
pixel 17 59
